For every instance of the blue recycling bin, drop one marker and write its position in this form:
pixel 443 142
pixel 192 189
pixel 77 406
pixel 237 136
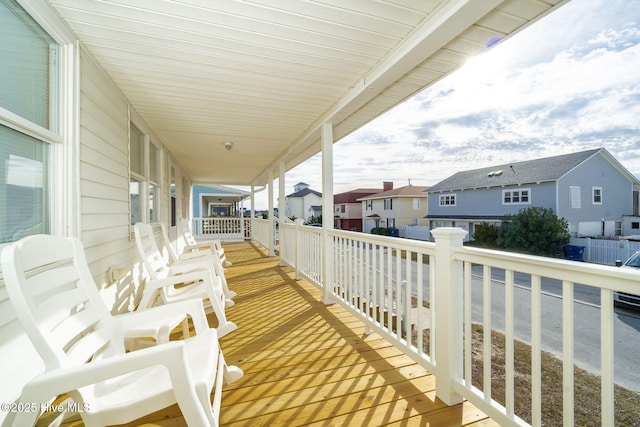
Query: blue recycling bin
pixel 394 232
pixel 574 252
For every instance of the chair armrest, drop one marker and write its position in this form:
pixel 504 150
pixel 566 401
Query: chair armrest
pixel 195 255
pixel 193 265
pixel 200 245
pixel 158 315
pixel 154 285
pixel 172 355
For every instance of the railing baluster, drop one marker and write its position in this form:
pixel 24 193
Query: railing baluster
pixel 607 356
pixel 486 331
pixel 419 291
pixel 468 333
pixel 567 354
pixel 536 357
pixel 508 341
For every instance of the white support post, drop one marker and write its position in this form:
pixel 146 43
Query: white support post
pixel 252 211
pixel 272 235
pixel 448 303
pixel 298 240
pixel 242 232
pixel 281 209
pixel 327 209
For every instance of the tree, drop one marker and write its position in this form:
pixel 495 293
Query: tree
pixel 536 230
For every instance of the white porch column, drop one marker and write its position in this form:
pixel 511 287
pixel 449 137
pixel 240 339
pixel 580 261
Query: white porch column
pixel 252 202
pixel 242 233
pixel 272 251
pixel 449 317
pixel 281 207
pixel 327 209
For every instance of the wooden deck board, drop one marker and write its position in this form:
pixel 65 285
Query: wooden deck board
pixel 307 363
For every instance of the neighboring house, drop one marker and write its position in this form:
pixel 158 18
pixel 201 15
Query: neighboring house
pixel 298 203
pixel 590 189
pixel 394 208
pixel 315 211
pixel 217 201
pixel 348 208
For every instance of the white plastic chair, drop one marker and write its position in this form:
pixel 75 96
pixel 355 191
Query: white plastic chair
pixel 191 244
pixel 180 281
pixel 82 344
pixel 204 255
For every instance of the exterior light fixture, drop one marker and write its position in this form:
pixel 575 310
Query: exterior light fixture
pixel 228 145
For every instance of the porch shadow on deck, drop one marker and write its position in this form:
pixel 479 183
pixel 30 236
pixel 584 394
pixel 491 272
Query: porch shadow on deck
pixel 306 363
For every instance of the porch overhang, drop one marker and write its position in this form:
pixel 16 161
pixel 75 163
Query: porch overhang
pixel 235 89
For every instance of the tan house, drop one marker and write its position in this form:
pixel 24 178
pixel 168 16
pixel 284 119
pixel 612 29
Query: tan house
pixel 394 207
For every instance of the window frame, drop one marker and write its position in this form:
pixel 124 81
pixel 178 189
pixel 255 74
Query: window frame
pixel 448 200
pixel 593 195
pixel 60 137
pixel 150 190
pixel 519 192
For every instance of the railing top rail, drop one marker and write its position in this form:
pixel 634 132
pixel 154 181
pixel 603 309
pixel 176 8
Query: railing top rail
pixel 603 276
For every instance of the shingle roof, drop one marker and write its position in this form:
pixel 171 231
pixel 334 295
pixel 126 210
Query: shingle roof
pixel 406 191
pixel 530 171
pixel 304 192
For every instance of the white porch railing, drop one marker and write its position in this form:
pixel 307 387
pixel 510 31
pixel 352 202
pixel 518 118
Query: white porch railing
pixel 222 228
pixel 260 231
pixel 418 295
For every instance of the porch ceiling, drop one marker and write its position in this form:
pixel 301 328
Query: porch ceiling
pixel 266 74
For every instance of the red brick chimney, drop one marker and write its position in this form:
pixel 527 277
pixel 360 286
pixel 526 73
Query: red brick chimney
pixel 387 185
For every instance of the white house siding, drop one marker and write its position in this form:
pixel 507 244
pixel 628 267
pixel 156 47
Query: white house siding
pixel 104 181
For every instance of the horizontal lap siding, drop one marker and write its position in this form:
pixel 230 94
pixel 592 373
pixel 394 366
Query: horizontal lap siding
pixel 104 182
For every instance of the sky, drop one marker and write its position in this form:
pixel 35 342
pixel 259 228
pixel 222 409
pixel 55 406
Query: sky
pixel 569 82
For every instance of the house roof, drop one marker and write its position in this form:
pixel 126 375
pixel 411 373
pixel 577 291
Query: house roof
pixel 406 191
pixel 268 75
pixel 354 196
pixel 304 192
pixel 546 169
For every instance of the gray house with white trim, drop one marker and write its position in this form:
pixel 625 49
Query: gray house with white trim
pixel 590 189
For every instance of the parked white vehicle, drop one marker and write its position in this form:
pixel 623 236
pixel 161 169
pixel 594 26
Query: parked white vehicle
pixel 625 299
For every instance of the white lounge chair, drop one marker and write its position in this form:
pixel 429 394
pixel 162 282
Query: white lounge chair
pixel 191 244
pixel 204 255
pixel 180 281
pixel 82 344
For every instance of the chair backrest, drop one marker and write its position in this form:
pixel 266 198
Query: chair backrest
pixel 57 300
pixel 154 262
pixel 185 231
pixel 173 255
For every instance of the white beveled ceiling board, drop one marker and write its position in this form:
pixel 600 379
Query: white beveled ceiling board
pixel 266 74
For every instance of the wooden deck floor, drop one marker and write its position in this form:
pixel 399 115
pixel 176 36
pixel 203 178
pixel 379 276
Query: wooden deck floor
pixel 307 363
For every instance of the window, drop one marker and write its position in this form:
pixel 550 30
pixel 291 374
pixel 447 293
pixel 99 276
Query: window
pixel 144 177
pixel 574 197
pixel 154 182
pixel 388 204
pixel 172 195
pixel 416 204
pixel 23 186
pixel 447 200
pixel 635 225
pixel 597 195
pixel 137 175
pixel 29 92
pixel 343 208
pixel 516 197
